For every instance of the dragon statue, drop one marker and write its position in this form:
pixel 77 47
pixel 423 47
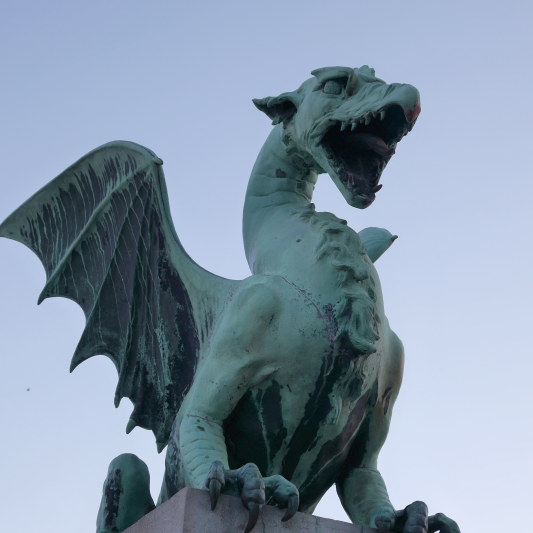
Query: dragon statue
pixel 272 388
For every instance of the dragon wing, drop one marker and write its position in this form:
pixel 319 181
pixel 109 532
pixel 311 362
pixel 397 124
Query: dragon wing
pixel 103 232
pixel 376 241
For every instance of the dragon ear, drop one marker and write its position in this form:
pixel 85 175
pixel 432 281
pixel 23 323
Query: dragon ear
pixel 279 108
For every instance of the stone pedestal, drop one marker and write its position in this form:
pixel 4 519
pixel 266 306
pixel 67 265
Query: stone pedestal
pixel 189 511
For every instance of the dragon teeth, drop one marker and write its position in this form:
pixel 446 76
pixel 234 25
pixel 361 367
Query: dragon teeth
pixel 365 119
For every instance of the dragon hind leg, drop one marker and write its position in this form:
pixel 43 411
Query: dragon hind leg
pixel 126 494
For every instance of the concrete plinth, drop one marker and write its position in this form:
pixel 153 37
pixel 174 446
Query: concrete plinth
pixel 189 511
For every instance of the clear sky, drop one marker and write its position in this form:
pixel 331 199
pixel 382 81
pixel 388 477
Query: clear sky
pixel 178 77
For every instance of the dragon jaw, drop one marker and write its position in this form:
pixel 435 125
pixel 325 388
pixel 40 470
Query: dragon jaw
pixel 346 122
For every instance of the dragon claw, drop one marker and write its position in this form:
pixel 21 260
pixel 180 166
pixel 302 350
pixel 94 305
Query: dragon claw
pixel 412 519
pixel 215 481
pixel 254 490
pixel 417 518
pixel 385 520
pixel 214 492
pixel 384 526
pixel 440 522
pixel 254 509
pixel 292 507
pixel 284 493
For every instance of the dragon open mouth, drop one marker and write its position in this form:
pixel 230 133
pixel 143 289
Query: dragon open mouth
pixel 358 150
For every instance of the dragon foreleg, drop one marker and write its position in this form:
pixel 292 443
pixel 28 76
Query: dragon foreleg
pixel 235 364
pixel 202 443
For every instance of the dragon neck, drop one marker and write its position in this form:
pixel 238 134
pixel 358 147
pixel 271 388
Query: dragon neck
pixel 279 185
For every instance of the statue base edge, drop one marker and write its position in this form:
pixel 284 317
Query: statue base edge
pixel 189 511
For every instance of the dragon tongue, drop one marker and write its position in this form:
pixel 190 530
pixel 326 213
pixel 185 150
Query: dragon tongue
pixel 369 141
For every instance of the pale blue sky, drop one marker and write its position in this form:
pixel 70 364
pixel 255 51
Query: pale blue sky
pixel 178 77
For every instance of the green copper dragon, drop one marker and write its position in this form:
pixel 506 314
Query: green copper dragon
pixel 272 388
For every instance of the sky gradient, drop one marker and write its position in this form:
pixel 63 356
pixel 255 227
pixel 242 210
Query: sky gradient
pixel 178 77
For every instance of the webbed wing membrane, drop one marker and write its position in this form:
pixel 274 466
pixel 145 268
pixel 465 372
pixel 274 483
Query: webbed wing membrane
pixel 103 231
pixel 376 241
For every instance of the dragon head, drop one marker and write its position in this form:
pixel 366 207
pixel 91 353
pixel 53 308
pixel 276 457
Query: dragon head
pixel 345 122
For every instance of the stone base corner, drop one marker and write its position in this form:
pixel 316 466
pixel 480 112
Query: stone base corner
pixel 189 511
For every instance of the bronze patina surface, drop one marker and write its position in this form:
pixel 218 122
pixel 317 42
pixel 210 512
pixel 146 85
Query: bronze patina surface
pixel 272 388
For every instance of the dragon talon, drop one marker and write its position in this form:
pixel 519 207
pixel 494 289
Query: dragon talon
pixel 254 509
pixel 384 526
pixel 214 492
pixel 292 507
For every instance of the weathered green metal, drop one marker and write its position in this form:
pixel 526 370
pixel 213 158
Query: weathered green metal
pixel 272 388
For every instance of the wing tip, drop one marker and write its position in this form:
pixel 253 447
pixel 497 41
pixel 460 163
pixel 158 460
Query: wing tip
pixel 7 230
pixel 376 241
pixel 73 365
pixel 130 426
pixel 79 356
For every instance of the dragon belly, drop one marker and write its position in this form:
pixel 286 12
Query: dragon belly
pixel 308 441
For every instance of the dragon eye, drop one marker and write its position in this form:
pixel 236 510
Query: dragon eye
pixel 335 86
